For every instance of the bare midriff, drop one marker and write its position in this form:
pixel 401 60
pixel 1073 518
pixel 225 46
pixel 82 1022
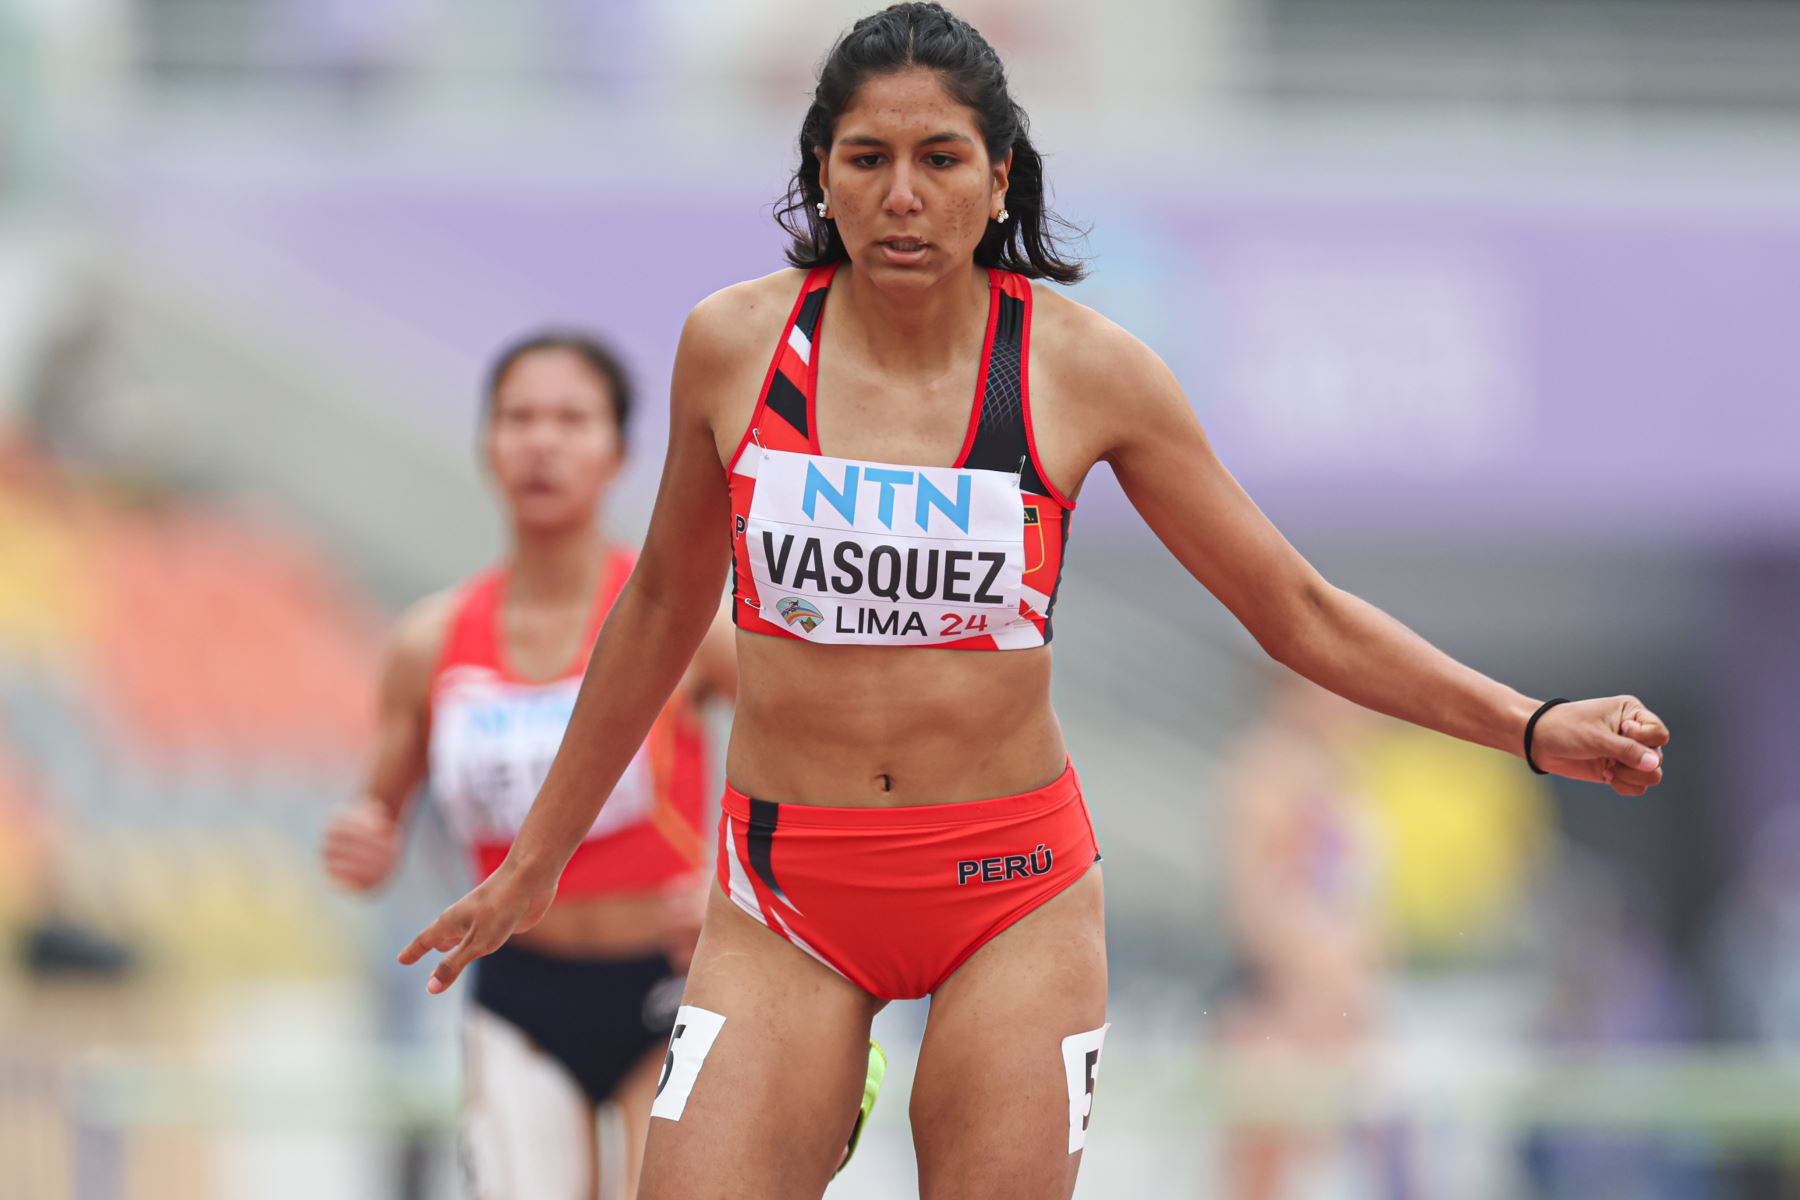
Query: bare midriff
pixel 617 926
pixel 885 727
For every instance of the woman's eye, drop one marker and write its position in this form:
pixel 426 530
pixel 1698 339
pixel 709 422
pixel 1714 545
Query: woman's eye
pixel 940 160
pixel 866 160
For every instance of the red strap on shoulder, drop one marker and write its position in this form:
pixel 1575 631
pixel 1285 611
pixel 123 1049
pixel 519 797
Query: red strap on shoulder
pixel 472 638
pixel 996 284
pixel 1020 286
pixel 816 278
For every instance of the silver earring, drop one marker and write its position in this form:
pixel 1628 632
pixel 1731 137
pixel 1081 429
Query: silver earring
pixel 1003 215
pixel 821 207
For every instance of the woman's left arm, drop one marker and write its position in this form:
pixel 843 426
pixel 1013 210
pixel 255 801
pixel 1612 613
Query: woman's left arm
pixel 1167 467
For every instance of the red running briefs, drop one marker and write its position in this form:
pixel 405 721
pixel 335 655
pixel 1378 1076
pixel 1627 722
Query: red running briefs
pixel 896 899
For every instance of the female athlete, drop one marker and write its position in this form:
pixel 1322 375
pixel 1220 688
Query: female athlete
pixel 902 818
pixel 476 690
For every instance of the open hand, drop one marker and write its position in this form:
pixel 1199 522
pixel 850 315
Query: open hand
pixel 1615 741
pixel 505 903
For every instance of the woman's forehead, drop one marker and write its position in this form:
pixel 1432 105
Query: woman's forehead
pixel 912 105
pixel 550 372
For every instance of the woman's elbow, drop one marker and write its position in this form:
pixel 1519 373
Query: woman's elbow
pixel 658 610
pixel 1294 623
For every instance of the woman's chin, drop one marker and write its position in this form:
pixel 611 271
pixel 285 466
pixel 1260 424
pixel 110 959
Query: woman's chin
pixel 924 271
pixel 546 514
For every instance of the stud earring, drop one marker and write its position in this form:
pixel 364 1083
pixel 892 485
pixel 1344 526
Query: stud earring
pixel 1003 215
pixel 821 206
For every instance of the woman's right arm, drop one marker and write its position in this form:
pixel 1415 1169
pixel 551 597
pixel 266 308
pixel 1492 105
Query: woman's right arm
pixel 362 840
pixel 642 652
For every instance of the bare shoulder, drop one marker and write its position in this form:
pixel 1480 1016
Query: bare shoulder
pixel 1087 349
pixel 416 642
pixel 738 320
pixel 1096 380
pixel 725 349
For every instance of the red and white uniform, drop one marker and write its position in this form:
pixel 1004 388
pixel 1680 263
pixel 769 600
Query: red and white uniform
pixel 844 551
pixel 963 557
pixel 494 735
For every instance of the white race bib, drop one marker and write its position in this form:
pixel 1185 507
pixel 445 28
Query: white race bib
pixel 692 1040
pixel 1081 1068
pixel 492 742
pixel 868 553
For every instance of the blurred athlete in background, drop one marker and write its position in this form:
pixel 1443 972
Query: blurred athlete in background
pixel 476 690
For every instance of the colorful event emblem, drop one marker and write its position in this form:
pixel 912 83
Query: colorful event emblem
pixel 796 611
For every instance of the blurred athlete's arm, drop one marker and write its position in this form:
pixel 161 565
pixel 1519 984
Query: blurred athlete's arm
pixel 645 647
pixel 712 676
pixel 1167 467
pixel 362 840
pixel 713 673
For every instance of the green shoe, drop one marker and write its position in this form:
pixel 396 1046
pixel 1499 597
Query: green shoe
pixel 871 1089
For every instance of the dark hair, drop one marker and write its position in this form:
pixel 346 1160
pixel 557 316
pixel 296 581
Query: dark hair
pixel 598 356
pixel 928 36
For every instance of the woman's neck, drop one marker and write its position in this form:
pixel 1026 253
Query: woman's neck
pixel 914 331
pixel 558 566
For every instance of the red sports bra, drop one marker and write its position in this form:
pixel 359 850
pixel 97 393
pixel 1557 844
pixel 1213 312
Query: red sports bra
pixel 493 735
pixel 845 551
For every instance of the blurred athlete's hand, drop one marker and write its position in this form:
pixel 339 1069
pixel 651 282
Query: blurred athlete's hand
pixel 509 901
pixel 361 845
pixel 683 908
pixel 1615 741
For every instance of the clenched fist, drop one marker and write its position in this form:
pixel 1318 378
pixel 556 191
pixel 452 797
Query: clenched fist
pixel 361 845
pixel 1615 741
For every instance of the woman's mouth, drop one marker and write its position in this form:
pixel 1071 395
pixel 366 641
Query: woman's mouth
pixel 904 251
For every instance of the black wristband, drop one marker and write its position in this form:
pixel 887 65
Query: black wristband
pixel 1531 728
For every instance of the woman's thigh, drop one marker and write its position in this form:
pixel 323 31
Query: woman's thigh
pixel 1005 1081
pixel 633 1097
pixel 527 1129
pixel 764 1075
